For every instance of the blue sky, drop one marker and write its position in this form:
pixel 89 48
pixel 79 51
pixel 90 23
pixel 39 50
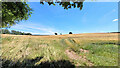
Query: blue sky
pixel 93 18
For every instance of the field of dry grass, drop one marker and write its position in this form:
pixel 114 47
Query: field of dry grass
pixel 89 49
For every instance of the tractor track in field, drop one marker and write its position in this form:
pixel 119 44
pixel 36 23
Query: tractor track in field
pixel 72 55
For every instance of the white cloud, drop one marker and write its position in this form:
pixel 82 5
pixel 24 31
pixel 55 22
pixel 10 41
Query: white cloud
pixel 115 20
pixel 36 29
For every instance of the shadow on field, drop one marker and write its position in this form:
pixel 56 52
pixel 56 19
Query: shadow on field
pixel 30 63
pixel 97 67
pixel 106 43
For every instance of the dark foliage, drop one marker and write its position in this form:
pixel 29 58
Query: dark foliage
pixel 70 33
pixel 6 31
pixel 13 12
pixel 55 33
pixel 66 4
pixel 114 32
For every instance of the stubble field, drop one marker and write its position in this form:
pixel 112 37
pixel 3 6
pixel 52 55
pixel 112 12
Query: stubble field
pixel 89 49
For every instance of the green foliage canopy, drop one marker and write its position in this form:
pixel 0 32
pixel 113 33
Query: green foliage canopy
pixel 13 12
pixel 4 31
pixel 65 4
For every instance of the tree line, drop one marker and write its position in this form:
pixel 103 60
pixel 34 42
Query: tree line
pixel 6 31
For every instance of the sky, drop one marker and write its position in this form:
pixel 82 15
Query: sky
pixel 95 17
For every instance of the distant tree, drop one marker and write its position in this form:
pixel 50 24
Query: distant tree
pixel 60 33
pixel 22 34
pixel 55 33
pixel 13 32
pixel 28 34
pixel 4 31
pixel 19 33
pixel 70 33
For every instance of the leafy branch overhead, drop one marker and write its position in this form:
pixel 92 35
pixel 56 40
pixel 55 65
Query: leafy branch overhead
pixel 13 12
pixel 66 5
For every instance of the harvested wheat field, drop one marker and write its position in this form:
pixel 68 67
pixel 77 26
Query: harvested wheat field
pixel 89 49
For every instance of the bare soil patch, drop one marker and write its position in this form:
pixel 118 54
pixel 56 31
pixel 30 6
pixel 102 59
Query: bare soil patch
pixel 74 56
